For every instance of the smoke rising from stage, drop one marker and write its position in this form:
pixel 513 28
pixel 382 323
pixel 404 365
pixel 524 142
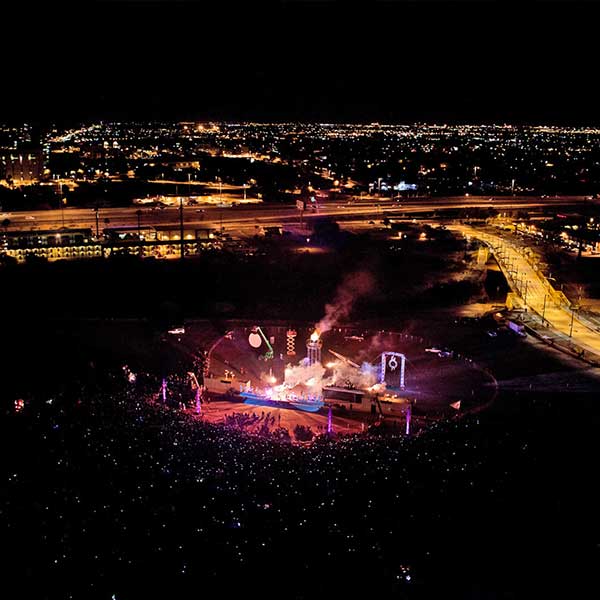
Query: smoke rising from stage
pixel 309 376
pixel 304 374
pixel 345 375
pixel 354 286
pixel 313 378
pixel 372 347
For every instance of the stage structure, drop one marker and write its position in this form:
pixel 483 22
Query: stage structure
pixel 196 386
pixel 344 359
pixel 291 342
pixel 313 349
pixel 389 362
pixel 208 354
pixel 256 338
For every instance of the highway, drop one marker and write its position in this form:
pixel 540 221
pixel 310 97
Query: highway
pixel 251 215
pixel 536 292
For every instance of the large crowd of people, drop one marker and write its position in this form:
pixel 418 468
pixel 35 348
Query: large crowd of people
pixel 111 494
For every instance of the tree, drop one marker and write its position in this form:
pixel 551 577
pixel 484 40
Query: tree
pixel 303 433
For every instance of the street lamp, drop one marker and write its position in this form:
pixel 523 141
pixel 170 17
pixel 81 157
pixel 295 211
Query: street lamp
pixel 181 228
pixel 571 326
pixel 96 210
pixel 62 211
pixel 572 319
pixel 138 212
pixel 544 310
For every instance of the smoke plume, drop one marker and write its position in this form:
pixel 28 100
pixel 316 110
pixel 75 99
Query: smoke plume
pixel 310 376
pixel 345 375
pixel 353 287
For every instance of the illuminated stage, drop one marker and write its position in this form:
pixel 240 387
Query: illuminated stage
pixel 363 374
pixel 306 405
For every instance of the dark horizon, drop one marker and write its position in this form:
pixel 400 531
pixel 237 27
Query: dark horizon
pixel 396 62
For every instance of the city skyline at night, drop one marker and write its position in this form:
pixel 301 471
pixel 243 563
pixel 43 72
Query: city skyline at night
pixel 300 298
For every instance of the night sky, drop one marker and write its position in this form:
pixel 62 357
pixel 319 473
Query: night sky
pixel 291 60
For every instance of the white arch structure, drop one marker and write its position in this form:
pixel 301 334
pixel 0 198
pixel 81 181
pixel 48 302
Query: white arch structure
pixel 392 364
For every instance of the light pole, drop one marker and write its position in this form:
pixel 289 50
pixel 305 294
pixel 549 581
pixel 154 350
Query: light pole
pixel 138 213
pixel 96 210
pixel 181 227
pixel 572 319
pixel 544 310
pixel 520 285
pixel 62 211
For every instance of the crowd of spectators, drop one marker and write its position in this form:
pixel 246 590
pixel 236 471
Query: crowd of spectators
pixel 111 494
pixel 262 425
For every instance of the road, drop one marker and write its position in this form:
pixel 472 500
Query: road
pixel 249 216
pixel 536 292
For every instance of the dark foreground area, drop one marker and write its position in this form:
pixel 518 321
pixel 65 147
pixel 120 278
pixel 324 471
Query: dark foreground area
pixel 107 495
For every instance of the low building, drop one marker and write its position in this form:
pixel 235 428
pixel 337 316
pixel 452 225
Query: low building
pixel 66 244
pixel 130 233
pixel 47 238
